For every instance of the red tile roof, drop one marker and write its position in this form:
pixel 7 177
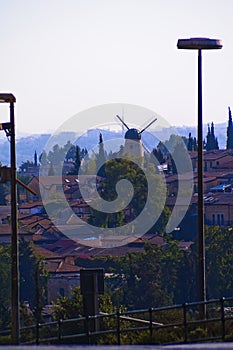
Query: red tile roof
pixel 30 205
pixel 5 229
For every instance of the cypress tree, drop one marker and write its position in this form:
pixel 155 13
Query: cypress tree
pixel 192 143
pixel 101 157
pixel 230 131
pixel 211 140
pixel 35 159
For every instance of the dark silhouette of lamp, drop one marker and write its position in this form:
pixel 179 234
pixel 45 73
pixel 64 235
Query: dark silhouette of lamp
pixel 200 44
pixel 9 129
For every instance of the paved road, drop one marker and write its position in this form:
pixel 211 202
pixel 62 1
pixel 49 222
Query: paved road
pixel 210 346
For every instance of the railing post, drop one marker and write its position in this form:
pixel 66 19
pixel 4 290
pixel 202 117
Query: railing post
pixel 223 318
pixel 37 332
pixel 185 322
pixel 59 323
pixel 150 324
pixel 118 329
pixel 88 329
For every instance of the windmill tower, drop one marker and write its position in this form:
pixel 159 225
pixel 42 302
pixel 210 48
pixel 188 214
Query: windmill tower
pixel 133 139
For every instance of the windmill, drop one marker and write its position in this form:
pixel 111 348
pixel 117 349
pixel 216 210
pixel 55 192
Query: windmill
pixel 133 139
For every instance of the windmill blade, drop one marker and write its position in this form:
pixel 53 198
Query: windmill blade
pixel 148 125
pixel 122 121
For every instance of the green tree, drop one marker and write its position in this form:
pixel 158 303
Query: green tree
pixel 101 157
pixel 68 308
pixel 43 158
pixel 211 140
pixel 65 307
pixel 56 155
pixel 186 278
pixel 77 161
pixel 192 143
pixel 72 307
pixel 219 261
pixel 171 143
pixel 30 267
pixel 4 190
pixel 28 264
pixel 5 274
pixel 181 156
pixel 35 159
pixel 153 278
pixel 69 151
pixel 25 166
pixel 139 279
pixel 51 171
pixel 157 153
pixel 177 273
pixel 119 169
pixel 160 225
pixel 116 170
pixel 230 131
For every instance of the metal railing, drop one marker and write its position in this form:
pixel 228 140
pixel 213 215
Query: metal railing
pixel 171 324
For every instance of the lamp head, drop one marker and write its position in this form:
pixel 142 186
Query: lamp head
pixel 7 98
pixel 199 44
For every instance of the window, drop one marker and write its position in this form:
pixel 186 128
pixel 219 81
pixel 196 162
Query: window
pixel 213 219
pixel 222 219
pixel 218 216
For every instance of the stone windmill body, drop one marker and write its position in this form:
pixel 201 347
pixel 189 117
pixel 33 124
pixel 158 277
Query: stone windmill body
pixel 133 139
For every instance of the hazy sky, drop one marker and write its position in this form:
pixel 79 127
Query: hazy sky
pixel 60 57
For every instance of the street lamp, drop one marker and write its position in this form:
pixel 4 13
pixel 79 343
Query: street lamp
pixel 200 44
pixel 9 129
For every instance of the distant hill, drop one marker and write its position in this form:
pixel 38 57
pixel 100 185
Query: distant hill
pixel 27 145
pixel 25 148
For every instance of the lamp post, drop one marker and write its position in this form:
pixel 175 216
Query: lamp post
pixel 9 129
pixel 200 44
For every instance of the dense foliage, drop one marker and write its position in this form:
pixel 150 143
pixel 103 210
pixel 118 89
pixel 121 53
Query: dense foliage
pixel 219 261
pixel 168 275
pixel 5 287
pixel 153 278
pixel 124 169
pixel 29 269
